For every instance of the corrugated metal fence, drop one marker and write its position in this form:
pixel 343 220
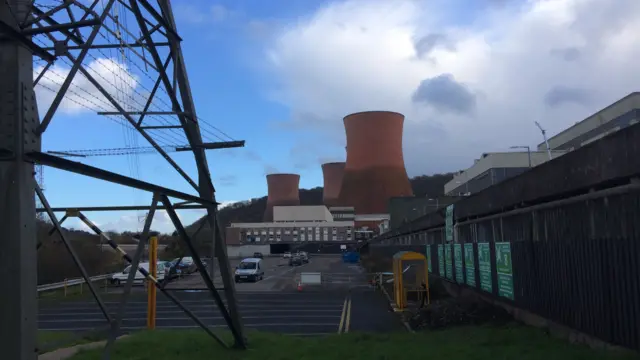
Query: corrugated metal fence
pixel 573 261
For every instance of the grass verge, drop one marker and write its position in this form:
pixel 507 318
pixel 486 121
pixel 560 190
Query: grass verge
pixel 468 343
pixel 52 340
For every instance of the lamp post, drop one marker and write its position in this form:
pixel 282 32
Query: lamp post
pixel 528 151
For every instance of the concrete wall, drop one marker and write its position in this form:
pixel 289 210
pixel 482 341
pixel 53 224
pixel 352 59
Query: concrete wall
pixel 244 251
pixel 301 213
pixel 487 179
pixel 616 116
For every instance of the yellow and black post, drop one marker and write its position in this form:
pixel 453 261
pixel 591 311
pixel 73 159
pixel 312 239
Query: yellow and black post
pixel 151 289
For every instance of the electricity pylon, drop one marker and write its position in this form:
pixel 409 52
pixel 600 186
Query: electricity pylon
pixel 70 33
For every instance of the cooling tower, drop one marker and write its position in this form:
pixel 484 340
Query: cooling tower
pixel 374 171
pixel 332 174
pixel 282 191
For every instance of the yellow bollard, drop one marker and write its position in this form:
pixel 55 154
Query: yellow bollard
pixel 151 288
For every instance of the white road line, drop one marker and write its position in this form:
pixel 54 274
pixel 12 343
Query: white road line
pixel 306 311
pixel 292 299
pixel 185 318
pixel 193 307
pixel 285 272
pixel 197 327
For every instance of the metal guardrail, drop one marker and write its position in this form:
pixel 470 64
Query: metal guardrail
pixel 70 282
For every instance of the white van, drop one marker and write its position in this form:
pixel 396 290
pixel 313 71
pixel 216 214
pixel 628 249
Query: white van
pixel 121 277
pixel 249 269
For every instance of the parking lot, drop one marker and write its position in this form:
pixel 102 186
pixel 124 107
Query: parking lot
pixel 278 274
pixel 274 304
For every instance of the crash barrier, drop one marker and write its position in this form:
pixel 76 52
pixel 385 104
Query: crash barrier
pixel 67 283
pixel 572 261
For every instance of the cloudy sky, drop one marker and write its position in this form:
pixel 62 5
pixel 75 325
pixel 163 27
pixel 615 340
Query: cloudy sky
pixel 471 76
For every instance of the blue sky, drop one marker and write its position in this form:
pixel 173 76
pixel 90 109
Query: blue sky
pixel 230 91
pixel 282 74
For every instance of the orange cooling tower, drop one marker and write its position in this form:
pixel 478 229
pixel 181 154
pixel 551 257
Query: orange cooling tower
pixel 283 191
pixel 332 173
pixel 374 172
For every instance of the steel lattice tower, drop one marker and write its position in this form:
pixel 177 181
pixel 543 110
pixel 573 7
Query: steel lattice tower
pixel 70 32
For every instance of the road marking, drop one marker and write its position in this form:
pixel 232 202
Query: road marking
pixel 344 311
pixel 285 272
pixel 348 319
pixel 204 311
pixel 185 318
pixel 196 326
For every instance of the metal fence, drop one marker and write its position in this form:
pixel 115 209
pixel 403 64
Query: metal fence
pixel 70 282
pixel 573 261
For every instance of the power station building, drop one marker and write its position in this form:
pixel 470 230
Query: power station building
pixel 374 171
pixel 620 114
pixel 493 168
pixel 356 193
pixel 292 225
pixel 332 174
pixel 283 190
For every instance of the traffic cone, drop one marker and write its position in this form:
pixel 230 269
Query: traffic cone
pixel 299 286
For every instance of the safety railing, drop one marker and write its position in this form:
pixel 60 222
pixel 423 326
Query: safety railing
pixel 71 282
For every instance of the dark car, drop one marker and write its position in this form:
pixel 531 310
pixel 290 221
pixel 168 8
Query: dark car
pixel 258 255
pixel 296 260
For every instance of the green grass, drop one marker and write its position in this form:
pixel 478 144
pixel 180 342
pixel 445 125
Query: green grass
pixel 52 340
pixel 468 343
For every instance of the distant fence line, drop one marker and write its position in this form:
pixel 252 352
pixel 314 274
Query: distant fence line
pixel 574 261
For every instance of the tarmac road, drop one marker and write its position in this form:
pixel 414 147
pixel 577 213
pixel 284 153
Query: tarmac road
pixel 292 313
pixel 272 305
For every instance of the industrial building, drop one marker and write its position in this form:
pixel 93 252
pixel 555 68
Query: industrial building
pixel 374 171
pixel 493 168
pixel 283 190
pixel 291 225
pixel 619 115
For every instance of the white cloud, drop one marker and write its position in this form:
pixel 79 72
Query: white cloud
pixel 112 75
pixel 554 61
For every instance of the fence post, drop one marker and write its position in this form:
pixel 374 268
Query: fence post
pixel 81 288
pixel 151 289
pixel 65 287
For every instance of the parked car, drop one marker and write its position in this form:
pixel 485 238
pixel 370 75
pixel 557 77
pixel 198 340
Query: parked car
pixel 121 277
pixel 287 255
pixel 258 255
pixel 296 260
pixel 186 266
pixel 303 256
pixel 250 269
